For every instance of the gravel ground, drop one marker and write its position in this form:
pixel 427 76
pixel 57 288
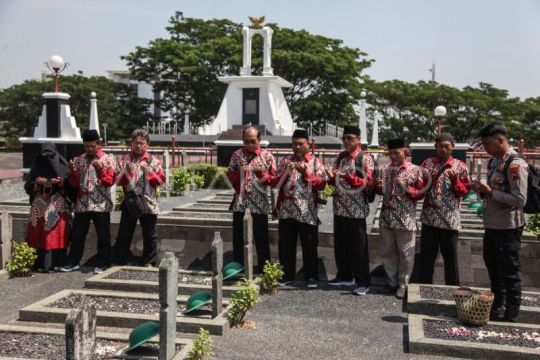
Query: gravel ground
pixel 154 276
pixel 428 292
pixel 326 323
pixel 17 293
pixel 35 346
pixel 118 304
pixel 490 334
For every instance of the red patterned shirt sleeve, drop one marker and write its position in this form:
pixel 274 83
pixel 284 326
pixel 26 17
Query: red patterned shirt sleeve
pixel 155 174
pixel 462 185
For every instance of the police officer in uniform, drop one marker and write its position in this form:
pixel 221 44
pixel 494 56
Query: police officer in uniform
pixel 504 194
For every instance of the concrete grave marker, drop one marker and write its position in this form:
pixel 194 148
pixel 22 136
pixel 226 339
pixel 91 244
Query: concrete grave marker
pixel 248 245
pixel 81 332
pixel 217 274
pixel 168 292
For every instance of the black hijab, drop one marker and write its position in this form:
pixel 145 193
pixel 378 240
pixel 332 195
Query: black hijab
pixel 49 164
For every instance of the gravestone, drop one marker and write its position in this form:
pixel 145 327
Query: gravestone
pixel 6 239
pixel 217 274
pixel 168 292
pixel 248 245
pixel 81 332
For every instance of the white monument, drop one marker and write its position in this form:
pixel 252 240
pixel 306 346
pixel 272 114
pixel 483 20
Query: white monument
pixel 254 99
pixel 362 121
pixel 94 120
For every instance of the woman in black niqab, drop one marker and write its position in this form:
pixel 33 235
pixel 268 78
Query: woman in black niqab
pixel 48 226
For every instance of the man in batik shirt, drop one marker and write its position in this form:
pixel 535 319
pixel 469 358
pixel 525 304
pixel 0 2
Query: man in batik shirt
pixel 251 193
pixel 401 184
pixel 440 217
pixel 352 176
pixel 92 174
pixel 142 173
pixel 298 178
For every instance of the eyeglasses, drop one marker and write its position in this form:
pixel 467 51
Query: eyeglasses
pixel 349 137
pixel 250 142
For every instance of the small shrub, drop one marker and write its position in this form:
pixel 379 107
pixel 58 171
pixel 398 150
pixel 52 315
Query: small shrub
pixel 22 259
pixel 119 194
pixel 272 274
pixel 327 192
pixel 202 346
pixel 180 179
pixel 242 300
pixel 533 224
pixel 198 180
pixel 210 173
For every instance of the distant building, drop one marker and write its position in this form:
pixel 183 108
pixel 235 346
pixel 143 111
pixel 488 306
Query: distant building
pixel 141 89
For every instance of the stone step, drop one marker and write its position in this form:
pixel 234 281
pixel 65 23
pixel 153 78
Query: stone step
pixel 16 202
pixel 46 311
pixel 56 332
pixel 176 218
pixel 146 280
pixel 203 207
pixel 476 233
pixel 214 200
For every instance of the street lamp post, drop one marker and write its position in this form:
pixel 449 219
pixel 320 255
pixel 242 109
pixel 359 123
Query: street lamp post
pixel 56 64
pixel 440 113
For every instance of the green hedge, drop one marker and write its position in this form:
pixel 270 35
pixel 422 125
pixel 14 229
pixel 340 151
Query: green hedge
pixel 201 175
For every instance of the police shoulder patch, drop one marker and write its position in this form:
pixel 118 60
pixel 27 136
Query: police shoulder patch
pixel 514 170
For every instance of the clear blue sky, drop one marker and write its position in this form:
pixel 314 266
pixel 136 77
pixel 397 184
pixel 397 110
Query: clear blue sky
pixel 471 41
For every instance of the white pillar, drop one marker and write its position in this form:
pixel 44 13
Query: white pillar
pixel 167 161
pixel 375 135
pixel 267 51
pixel 186 123
pixel 363 123
pixel 246 68
pixel 94 121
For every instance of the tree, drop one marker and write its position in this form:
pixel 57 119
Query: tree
pixel 122 111
pixel 407 109
pixel 325 73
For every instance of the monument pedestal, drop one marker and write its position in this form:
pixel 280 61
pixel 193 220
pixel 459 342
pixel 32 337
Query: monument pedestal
pixel 55 125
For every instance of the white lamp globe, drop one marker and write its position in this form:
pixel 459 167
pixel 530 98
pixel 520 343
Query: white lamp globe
pixel 363 94
pixel 56 62
pixel 440 111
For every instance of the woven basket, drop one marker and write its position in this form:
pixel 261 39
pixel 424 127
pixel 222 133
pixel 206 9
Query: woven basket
pixel 473 306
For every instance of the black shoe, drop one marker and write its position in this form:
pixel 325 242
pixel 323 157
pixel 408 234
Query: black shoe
pixel 341 282
pixel 311 284
pixel 497 314
pixel 69 268
pixel 512 312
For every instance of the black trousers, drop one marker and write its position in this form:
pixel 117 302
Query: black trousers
pixel 49 259
pixel 501 255
pixel 431 239
pixel 351 249
pixel 260 237
pixel 125 236
pixel 81 224
pixel 289 231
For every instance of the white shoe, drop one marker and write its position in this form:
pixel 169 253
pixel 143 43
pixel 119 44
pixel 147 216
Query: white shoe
pixel 98 270
pixel 361 291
